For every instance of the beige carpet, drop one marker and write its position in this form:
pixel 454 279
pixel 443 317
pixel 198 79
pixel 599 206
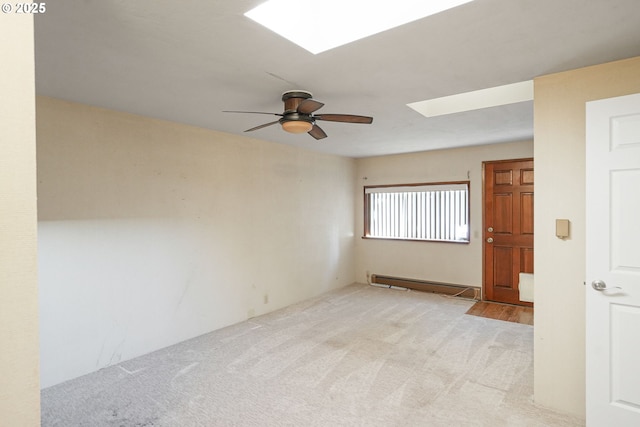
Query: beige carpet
pixel 359 356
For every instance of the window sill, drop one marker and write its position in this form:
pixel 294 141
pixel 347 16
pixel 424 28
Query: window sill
pixel 466 242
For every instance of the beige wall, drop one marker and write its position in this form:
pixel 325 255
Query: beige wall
pixel 19 386
pixel 427 260
pixel 153 232
pixel 559 116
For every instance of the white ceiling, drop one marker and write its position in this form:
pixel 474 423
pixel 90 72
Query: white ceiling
pixel 188 60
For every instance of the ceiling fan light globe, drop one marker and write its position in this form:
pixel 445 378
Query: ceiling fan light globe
pixel 297 126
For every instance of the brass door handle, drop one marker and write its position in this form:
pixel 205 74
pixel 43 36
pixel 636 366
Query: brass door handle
pixel 490 240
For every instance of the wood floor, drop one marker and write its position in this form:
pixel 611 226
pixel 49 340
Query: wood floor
pixel 506 312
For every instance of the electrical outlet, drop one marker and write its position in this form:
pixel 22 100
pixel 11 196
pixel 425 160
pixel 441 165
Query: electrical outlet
pixel 266 299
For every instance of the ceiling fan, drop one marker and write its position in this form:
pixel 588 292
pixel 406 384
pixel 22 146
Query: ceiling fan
pixel 298 115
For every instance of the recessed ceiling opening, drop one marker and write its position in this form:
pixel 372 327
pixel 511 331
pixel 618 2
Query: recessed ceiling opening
pixel 324 25
pixel 475 100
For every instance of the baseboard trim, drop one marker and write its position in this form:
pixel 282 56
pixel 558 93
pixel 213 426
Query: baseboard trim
pixel 463 291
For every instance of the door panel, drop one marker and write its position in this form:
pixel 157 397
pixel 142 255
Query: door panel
pixel 502 266
pixel 613 261
pixel 625 222
pixel 508 228
pixel 503 214
pixel 526 212
pixel 527 176
pixel 625 377
pixel 526 260
pixel 503 177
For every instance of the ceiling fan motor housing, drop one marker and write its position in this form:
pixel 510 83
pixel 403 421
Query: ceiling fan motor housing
pixel 293 98
pixel 293 121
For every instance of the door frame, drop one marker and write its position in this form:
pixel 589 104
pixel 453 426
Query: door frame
pixel 484 221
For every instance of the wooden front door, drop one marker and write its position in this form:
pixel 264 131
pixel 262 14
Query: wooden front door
pixel 508 228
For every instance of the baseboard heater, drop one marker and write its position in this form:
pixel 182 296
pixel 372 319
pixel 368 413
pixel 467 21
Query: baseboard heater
pixel 463 291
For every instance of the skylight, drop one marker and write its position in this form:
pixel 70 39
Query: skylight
pixel 478 99
pixel 318 26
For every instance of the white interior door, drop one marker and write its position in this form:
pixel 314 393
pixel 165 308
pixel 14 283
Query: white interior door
pixel 613 262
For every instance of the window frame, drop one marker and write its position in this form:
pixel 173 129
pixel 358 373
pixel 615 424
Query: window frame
pixel 367 211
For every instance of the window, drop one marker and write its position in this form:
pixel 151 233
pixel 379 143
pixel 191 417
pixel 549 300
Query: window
pixel 434 212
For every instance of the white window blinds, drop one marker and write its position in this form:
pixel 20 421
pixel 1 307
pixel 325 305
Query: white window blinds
pixel 437 212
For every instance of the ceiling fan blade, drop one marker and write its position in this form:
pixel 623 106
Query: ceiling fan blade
pixel 308 106
pixel 262 126
pixel 345 118
pixel 317 132
pixel 253 112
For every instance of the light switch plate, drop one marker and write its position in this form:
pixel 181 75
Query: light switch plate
pixel 562 228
